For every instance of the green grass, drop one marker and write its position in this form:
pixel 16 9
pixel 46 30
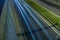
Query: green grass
pixel 45 12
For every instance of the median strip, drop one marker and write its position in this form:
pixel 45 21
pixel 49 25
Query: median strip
pixel 55 19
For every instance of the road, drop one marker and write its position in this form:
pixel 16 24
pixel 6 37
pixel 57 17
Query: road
pixel 27 11
pixel 22 22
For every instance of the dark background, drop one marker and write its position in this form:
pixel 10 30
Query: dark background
pixel 1 5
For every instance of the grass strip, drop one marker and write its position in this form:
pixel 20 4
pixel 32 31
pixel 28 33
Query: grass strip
pixel 45 12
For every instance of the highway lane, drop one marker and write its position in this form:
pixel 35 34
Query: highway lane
pixel 27 26
pixel 10 33
pixel 18 25
pixel 52 8
pixel 23 3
